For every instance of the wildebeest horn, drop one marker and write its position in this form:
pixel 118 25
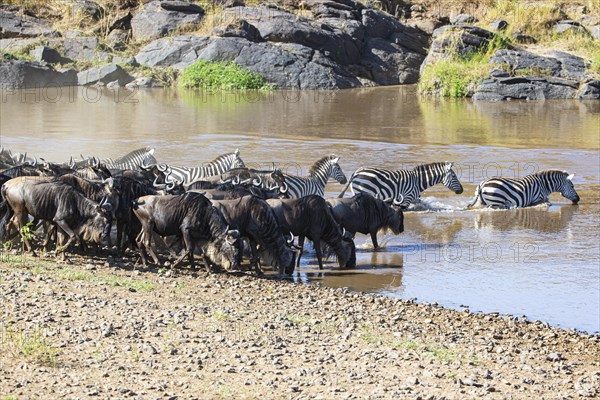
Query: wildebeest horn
pixel 110 182
pixel 71 163
pixel 257 181
pixel 284 188
pixel 236 180
pixel 158 185
pixel 291 240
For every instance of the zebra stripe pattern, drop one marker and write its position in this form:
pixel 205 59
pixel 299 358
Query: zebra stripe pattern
pixel 296 186
pixel 185 176
pixel 135 160
pixel 403 187
pixel 527 191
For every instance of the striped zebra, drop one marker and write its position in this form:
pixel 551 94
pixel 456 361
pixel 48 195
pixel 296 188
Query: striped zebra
pixel 135 160
pixel 403 187
pixel 318 174
pixel 523 192
pixel 185 175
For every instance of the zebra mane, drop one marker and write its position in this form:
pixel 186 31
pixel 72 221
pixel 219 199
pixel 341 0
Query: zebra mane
pixel 320 163
pixel 427 167
pixel 551 171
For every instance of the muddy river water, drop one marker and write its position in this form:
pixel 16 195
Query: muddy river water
pixel 542 262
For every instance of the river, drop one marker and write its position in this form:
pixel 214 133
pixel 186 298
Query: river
pixel 542 262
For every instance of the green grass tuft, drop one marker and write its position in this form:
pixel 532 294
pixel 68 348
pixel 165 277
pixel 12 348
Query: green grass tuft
pixel 222 75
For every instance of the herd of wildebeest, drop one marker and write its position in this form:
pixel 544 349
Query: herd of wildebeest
pixel 222 210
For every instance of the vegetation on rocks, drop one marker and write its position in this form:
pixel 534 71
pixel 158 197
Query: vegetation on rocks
pixel 221 76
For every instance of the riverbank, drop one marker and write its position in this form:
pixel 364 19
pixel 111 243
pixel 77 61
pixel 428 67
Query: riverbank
pixel 97 329
pixel 457 51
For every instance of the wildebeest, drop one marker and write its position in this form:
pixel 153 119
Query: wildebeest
pixel 229 191
pixel 97 191
pixel 74 214
pixel 193 217
pixel 365 214
pixel 310 217
pixel 255 219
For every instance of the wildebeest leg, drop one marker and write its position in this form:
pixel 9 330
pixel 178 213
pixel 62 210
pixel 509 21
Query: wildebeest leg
pixel 72 235
pixel 140 243
pixel 189 248
pixel 301 249
pixel 374 239
pixel 255 257
pixel 317 244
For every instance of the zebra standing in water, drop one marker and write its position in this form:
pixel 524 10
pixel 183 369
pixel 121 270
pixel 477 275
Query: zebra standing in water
pixel 296 186
pixel 527 191
pixel 403 187
pixel 185 176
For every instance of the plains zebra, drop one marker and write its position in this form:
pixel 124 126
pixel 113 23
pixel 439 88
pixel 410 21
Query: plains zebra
pixel 134 160
pixel 297 186
pixel 527 191
pixel 185 176
pixel 403 187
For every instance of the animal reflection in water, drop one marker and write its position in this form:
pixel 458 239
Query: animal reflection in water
pixel 381 271
pixel 540 218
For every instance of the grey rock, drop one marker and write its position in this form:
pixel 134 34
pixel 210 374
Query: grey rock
pixel 595 32
pixel 379 24
pixel 569 26
pixel 527 87
pixel 124 61
pixel 241 29
pixel 499 25
pixel 47 54
pixel 106 74
pixel 497 73
pixel 426 25
pixel 390 64
pixel 87 8
pixel 451 39
pixel 159 18
pixel 463 19
pixel 143 82
pixel 558 64
pixel 16 44
pixel 15 23
pixel 25 74
pixel 554 357
pixel 169 52
pixel 121 21
pixel 79 48
pixel 118 39
pixel 523 38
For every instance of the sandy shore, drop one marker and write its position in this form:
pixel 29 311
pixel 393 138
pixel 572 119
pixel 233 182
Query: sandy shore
pixel 94 330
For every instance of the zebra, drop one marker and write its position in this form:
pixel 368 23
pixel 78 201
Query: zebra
pixel 403 187
pixel 530 190
pixel 318 174
pixel 185 175
pixel 136 160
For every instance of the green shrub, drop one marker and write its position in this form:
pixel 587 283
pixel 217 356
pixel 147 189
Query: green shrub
pixel 221 75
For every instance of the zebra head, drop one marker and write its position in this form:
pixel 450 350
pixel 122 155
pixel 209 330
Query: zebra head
pixel 237 161
pixel 450 180
pixel 336 171
pixel 567 189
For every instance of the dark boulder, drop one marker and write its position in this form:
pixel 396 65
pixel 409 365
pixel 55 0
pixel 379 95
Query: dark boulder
pixel 48 55
pixel 104 75
pixel 161 17
pixel 526 87
pixel 557 64
pixel 26 74
pixel 589 91
pixel 241 29
pixel 15 23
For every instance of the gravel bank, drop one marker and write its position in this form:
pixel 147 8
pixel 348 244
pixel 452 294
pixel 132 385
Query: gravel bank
pixel 95 331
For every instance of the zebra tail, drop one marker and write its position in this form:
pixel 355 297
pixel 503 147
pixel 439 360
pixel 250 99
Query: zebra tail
pixel 347 185
pixel 477 198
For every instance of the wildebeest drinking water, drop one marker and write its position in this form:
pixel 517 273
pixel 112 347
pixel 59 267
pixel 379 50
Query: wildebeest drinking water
pixel 365 214
pixel 192 217
pixel 77 216
pixel 310 217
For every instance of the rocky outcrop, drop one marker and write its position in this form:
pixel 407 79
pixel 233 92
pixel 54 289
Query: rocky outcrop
pixel 346 45
pixel 589 91
pixel 16 23
pixel 159 18
pixel 451 40
pixel 47 54
pixel 558 75
pixel 26 74
pixel 107 74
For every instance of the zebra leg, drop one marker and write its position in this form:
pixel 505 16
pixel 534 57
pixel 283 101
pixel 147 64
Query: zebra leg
pixel 374 239
pixel 301 249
